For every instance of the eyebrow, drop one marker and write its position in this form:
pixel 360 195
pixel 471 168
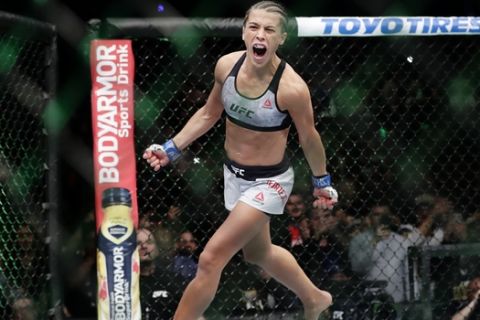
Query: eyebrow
pixel 258 24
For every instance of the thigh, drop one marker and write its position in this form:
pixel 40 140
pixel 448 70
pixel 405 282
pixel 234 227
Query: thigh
pixel 241 226
pixel 259 244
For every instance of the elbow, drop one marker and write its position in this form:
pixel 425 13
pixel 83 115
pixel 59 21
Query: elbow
pixel 210 114
pixel 211 118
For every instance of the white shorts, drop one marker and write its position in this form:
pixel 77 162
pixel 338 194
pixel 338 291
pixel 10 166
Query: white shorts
pixel 267 194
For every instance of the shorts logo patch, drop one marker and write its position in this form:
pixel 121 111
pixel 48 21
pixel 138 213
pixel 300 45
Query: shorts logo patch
pixel 259 197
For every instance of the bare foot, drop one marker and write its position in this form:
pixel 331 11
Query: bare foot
pixel 317 305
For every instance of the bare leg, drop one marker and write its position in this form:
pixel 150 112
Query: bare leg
pixel 242 225
pixel 281 265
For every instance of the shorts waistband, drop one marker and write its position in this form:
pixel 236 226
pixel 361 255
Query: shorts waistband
pixel 252 173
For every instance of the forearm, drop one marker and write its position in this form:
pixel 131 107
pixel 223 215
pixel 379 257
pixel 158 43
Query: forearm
pixel 426 226
pixel 465 312
pixel 197 125
pixel 314 153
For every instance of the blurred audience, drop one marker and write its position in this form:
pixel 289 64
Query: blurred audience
pixel 380 254
pixel 185 260
pixel 296 210
pixel 467 308
pixel 361 246
pixel 325 257
pixel 160 288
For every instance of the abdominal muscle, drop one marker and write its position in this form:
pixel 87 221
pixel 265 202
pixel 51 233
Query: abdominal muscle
pixel 255 148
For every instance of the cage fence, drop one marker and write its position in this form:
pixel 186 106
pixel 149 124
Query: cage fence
pixel 399 120
pixel 27 68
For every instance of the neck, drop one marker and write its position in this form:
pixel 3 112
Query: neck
pixel 264 71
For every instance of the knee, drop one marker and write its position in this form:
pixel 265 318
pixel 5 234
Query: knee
pixel 209 262
pixel 254 257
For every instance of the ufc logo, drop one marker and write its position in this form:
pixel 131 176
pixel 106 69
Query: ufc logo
pixel 238 171
pixel 242 110
pixel 160 294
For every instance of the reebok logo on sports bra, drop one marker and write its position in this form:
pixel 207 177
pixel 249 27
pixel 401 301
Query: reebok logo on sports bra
pixel 259 114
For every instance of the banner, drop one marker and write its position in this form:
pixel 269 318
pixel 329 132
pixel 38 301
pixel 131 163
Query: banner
pixel 112 73
pixel 386 26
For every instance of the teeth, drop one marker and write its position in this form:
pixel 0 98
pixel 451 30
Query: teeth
pixel 259 46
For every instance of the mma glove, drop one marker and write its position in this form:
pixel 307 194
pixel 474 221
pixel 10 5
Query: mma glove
pixel 326 195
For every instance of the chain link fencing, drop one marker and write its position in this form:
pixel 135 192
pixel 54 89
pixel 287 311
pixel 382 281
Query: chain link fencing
pixel 399 120
pixel 26 73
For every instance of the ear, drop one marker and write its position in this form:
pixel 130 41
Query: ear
pixel 284 37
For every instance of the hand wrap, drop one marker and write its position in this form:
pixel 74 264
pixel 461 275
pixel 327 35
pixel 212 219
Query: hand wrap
pixel 169 148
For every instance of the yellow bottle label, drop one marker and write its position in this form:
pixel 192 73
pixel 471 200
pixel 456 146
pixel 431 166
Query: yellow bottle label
pixel 117 223
pixel 118 266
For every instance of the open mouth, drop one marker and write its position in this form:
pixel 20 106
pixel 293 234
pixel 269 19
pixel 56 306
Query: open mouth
pixel 259 50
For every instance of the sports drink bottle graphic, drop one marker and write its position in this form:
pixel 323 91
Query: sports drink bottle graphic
pixel 118 259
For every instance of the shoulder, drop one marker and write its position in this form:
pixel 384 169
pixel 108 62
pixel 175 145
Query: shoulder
pixel 292 90
pixel 225 64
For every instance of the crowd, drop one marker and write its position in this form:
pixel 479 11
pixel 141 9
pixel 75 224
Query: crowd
pixel 362 257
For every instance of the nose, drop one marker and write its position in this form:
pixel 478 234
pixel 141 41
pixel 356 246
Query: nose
pixel 260 33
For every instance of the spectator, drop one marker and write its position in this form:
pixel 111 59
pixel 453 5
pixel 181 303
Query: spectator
pixel 431 213
pixel 160 289
pixel 23 309
pixel 324 260
pixel 297 220
pixel 323 221
pixel 468 309
pixel 170 219
pixel 347 225
pixel 150 219
pixel 361 246
pixel 380 254
pixel 473 227
pixel 185 260
pixel 165 240
pixel 389 258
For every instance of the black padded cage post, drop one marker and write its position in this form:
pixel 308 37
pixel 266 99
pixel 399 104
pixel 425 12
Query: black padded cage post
pixel 28 169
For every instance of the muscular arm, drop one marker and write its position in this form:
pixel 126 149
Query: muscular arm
pixel 299 105
pixel 204 119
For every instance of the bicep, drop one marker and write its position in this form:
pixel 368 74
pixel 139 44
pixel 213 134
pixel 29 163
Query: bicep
pixel 214 105
pixel 301 110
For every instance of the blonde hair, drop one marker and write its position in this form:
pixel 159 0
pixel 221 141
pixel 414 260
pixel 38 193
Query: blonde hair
pixel 270 6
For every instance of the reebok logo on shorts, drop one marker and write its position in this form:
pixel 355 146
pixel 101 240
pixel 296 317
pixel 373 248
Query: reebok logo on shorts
pixel 259 197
